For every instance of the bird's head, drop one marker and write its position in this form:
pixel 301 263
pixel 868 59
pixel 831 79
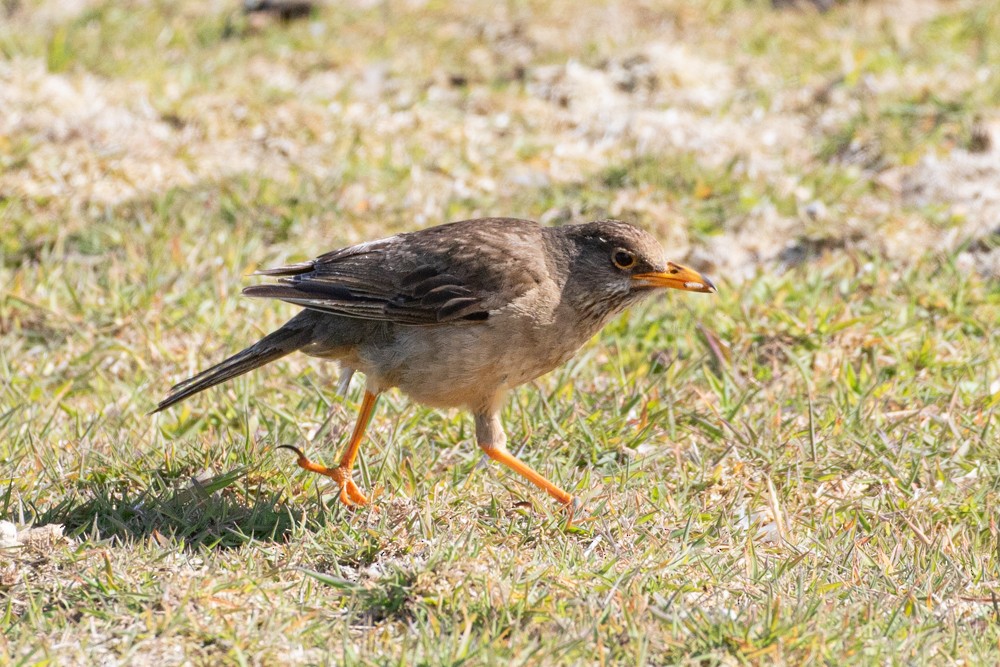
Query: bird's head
pixel 616 264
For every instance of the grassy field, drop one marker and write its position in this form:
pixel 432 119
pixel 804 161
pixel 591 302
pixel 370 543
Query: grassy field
pixel 804 467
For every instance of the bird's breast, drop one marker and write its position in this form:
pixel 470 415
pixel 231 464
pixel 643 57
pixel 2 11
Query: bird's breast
pixel 469 364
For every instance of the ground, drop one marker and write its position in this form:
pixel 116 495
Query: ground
pixel 804 467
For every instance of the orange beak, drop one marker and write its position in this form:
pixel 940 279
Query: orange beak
pixel 675 277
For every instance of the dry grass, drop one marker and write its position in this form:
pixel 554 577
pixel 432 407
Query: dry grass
pixel 803 468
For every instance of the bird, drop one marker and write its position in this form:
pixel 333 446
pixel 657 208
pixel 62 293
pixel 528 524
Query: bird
pixel 454 316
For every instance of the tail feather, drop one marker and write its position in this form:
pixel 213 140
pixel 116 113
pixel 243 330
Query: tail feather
pixel 275 345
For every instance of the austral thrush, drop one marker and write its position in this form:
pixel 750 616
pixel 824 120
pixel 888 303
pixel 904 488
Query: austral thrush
pixel 456 315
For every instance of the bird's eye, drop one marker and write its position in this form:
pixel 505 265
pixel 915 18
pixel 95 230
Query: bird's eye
pixel 623 259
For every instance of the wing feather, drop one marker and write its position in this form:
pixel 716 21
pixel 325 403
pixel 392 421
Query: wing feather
pixel 421 278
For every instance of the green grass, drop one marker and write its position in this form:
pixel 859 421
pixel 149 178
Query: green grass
pixel 801 468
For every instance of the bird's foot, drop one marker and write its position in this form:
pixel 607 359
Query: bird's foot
pixel 350 494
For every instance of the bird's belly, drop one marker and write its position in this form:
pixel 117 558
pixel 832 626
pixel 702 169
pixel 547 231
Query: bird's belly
pixel 465 365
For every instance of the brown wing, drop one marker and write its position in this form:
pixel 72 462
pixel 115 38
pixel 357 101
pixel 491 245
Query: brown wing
pixel 456 272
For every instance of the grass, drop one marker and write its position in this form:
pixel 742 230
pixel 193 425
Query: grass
pixel 803 467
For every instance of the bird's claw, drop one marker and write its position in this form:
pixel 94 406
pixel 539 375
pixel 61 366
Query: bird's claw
pixel 570 508
pixel 350 494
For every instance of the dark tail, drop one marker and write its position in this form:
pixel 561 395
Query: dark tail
pixel 296 333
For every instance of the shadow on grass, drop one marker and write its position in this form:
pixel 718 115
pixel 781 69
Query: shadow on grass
pixel 213 512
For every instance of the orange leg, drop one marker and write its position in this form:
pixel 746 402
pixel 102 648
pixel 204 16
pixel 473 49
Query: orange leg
pixel 505 457
pixel 350 494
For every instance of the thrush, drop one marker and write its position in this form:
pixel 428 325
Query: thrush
pixel 455 316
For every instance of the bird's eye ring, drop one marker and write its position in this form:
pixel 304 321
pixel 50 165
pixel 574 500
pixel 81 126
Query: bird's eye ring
pixel 623 259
